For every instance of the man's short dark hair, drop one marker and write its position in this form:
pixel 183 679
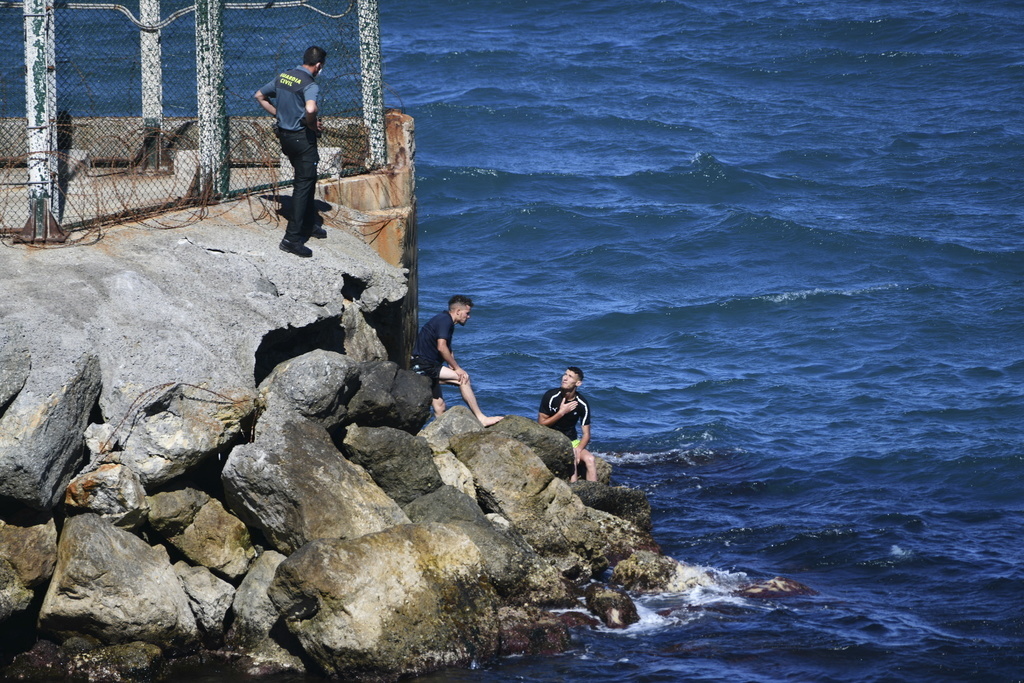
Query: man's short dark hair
pixel 459 300
pixel 579 373
pixel 314 55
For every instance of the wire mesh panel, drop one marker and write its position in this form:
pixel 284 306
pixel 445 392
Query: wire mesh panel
pixel 126 114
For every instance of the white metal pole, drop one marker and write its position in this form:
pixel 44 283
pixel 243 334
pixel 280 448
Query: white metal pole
pixel 213 133
pixel 373 90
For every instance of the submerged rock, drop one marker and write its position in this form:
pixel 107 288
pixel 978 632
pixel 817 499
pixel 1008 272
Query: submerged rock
pixel 531 631
pixel 405 601
pixel 649 572
pixel 126 662
pixel 778 587
pixel 611 605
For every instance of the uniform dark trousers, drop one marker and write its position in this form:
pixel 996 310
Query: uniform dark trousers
pixel 300 148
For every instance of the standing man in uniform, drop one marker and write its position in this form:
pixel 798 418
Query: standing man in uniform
pixel 434 348
pixel 561 409
pixel 295 92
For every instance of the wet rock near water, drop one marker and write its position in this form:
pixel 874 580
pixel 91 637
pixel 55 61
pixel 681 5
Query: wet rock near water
pixel 408 600
pixel 649 572
pixel 611 605
pixel 778 587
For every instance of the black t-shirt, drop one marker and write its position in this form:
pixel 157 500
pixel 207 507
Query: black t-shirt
pixel 550 403
pixel 441 326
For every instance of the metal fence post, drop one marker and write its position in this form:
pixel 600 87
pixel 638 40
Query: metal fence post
pixel 41 122
pixel 373 90
pixel 213 128
pixel 152 84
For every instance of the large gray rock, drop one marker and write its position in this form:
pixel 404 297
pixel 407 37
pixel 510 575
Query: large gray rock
pixel 519 575
pixel 112 491
pixel 257 630
pixel 15 363
pixel 294 485
pixel 361 341
pixel 455 420
pixel 514 482
pixel 202 530
pixel 181 426
pixel 113 586
pixel 209 597
pixel 28 541
pixel 551 446
pixel 41 433
pixel 390 397
pixel 318 385
pixel 400 463
pixel 405 601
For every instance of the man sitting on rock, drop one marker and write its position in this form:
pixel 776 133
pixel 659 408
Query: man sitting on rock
pixel 434 348
pixel 561 409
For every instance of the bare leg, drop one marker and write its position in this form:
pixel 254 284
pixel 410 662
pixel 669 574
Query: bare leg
pixel 448 376
pixel 587 459
pixel 439 407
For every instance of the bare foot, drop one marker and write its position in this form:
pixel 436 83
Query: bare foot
pixel 488 421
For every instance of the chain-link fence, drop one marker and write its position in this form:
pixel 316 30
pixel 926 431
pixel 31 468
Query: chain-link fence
pixel 121 110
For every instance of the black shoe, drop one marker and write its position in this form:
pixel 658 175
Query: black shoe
pixel 296 248
pixel 318 233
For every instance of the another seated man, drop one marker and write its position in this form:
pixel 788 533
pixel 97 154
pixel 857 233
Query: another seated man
pixel 432 357
pixel 564 407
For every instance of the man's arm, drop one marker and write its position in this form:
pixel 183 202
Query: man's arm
pixel 448 357
pixel 312 122
pixel 565 408
pixel 585 439
pixel 266 103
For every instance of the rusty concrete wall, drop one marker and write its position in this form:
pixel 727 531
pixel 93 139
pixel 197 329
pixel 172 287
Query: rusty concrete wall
pixel 382 207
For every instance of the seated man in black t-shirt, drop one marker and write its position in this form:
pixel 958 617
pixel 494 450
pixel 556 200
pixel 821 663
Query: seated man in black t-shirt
pixel 434 348
pixel 561 409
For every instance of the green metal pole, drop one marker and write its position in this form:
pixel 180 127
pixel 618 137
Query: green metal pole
pixel 213 122
pixel 373 89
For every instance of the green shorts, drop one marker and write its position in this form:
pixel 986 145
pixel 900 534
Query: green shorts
pixel 576 442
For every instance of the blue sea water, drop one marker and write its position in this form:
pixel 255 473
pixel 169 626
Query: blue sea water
pixel 785 241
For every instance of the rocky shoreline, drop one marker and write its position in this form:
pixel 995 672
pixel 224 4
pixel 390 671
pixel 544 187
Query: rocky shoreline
pixel 206 459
